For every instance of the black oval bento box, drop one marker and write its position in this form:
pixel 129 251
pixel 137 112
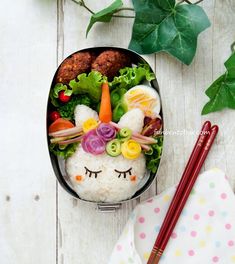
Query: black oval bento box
pixel 58 164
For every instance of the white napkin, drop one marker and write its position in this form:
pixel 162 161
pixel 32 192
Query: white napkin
pixel 204 234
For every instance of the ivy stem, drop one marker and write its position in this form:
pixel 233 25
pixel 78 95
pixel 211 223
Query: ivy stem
pixel 123 16
pixel 199 1
pixel 233 46
pixel 125 8
pixel 82 3
pixel 189 2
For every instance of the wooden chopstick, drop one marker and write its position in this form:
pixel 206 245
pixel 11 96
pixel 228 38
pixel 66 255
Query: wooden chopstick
pixel 183 191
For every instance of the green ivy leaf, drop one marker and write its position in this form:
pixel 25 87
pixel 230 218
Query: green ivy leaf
pixel 165 26
pixel 222 91
pixel 104 15
pixel 230 65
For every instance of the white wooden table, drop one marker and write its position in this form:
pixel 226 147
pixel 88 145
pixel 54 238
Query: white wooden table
pixel 39 222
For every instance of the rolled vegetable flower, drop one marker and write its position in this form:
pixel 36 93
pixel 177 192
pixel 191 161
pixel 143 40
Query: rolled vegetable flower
pixel 113 148
pixel 125 133
pixel 92 143
pixel 106 131
pixel 131 149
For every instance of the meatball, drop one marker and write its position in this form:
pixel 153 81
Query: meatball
pixel 74 65
pixel 110 62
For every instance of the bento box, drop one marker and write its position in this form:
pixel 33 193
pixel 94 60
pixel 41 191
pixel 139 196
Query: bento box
pixel 105 126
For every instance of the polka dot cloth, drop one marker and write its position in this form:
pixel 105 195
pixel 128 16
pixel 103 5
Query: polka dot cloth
pixel 205 232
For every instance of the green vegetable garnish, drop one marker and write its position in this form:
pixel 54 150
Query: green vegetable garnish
pixel 125 133
pixel 132 76
pixel 116 96
pixel 149 152
pixel 54 93
pixel 67 110
pixel 113 148
pixel 118 112
pixel 88 84
pixel 64 151
pixel 153 156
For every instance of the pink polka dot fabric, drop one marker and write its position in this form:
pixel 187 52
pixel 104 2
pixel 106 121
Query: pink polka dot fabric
pixel 205 232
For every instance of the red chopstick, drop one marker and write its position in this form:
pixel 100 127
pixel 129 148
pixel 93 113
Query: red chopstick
pixel 188 179
pixel 186 174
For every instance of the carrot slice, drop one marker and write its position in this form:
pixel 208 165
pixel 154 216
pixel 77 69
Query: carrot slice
pixel 60 124
pixel 105 114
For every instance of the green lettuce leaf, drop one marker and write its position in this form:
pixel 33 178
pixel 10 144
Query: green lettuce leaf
pixel 88 84
pixel 131 76
pixel 63 152
pixel 104 15
pixel 54 93
pixel 153 157
pixel 61 87
pixel 166 26
pixel 222 91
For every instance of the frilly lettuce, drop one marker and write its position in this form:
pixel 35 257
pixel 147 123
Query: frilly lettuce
pixel 63 152
pixel 132 76
pixel 54 94
pixel 88 84
pixel 153 156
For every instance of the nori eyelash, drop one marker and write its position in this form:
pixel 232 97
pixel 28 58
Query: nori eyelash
pixel 124 173
pixel 91 172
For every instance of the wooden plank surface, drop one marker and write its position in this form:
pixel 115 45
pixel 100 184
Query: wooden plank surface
pixel 27 183
pixel 39 222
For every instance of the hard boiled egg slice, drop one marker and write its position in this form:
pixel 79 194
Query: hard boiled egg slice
pixel 145 98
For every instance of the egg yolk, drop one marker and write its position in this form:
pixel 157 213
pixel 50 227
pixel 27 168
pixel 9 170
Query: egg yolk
pixel 142 100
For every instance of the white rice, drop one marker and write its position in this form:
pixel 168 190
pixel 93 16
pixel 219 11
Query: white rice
pixel 133 119
pixel 82 113
pixel 107 187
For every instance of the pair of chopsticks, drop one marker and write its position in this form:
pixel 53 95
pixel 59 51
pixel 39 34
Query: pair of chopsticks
pixel 190 174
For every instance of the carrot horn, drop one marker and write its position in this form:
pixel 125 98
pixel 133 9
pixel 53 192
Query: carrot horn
pixel 105 114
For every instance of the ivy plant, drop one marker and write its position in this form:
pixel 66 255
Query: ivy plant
pixel 159 25
pixel 222 91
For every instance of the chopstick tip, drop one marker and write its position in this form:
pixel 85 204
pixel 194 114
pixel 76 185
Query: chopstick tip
pixel 207 123
pixel 215 128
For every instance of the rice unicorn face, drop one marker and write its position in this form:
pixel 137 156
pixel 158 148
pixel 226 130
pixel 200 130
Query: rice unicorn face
pixel 103 178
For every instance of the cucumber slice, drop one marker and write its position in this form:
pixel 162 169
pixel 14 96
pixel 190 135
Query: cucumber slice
pixel 125 132
pixel 113 148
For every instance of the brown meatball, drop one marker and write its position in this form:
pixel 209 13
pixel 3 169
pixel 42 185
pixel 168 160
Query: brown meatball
pixel 110 62
pixel 74 65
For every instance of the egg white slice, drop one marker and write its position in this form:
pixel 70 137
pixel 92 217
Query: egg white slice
pixel 145 98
